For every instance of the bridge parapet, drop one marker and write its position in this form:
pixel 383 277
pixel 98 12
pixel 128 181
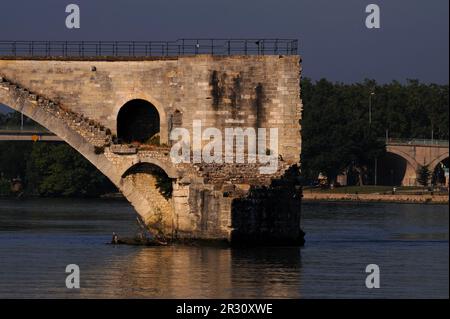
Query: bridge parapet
pixel 145 49
pixel 417 142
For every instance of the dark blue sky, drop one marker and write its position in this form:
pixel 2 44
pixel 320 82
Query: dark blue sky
pixel 334 42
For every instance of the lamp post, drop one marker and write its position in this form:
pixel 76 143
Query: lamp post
pixel 370 107
pixel 370 125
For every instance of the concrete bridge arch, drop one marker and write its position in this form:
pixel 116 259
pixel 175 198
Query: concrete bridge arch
pixel 438 160
pixel 409 175
pixel 417 153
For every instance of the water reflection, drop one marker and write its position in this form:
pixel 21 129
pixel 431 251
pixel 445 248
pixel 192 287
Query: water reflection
pixel 38 238
pixel 198 272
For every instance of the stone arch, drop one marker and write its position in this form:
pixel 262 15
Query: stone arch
pixel 437 160
pixel 400 153
pixel 409 178
pixel 168 169
pixel 19 102
pixel 155 189
pixel 438 173
pixel 391 169
pixel 163 122
pixel 138 120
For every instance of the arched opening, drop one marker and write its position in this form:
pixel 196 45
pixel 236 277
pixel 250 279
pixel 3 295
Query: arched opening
pixel 440 174
pixel 155 191
pixel 391 169
pixel 138 121
pixel 147 175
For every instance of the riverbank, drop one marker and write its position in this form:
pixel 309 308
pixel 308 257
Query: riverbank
pixel 384 198
pixel 312 196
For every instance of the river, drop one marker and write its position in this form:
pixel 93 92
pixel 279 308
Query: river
pixel 39 237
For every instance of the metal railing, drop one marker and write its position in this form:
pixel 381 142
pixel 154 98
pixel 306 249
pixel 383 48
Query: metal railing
pixel 28 135
pixel 8 130
pixel 179 47
pixel 417 141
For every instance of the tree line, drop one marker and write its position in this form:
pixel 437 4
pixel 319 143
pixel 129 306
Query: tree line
pixel 45 168
pixel 49 169
pixel 340 134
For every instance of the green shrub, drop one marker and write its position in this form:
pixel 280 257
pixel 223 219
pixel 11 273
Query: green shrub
pixel 5 187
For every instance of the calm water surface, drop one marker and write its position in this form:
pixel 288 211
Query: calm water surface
pixel 409 243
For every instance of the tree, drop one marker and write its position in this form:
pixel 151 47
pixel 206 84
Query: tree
pixel 423 175
pixel 13 159
pixel 337 137
pixel 58 170
pixel 5 186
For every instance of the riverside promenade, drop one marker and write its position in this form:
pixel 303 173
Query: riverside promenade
pixel 419 197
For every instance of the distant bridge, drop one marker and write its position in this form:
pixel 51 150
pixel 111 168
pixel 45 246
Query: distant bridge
pixel 407 155
pixel 28 135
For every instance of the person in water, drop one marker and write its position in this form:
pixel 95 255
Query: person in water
pixel 115 239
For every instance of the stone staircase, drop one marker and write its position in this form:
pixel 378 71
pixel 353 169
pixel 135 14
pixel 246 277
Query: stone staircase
pixel 93 132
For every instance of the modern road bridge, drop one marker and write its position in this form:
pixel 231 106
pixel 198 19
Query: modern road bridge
pixel 414 153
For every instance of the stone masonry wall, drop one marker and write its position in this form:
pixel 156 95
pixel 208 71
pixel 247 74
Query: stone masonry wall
pixel 246 91
pixel 209 201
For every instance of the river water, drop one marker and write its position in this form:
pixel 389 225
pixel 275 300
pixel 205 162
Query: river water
pixel 408 242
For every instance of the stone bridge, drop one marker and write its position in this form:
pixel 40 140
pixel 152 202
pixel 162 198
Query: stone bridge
pixel 408 155
pixel 118 113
